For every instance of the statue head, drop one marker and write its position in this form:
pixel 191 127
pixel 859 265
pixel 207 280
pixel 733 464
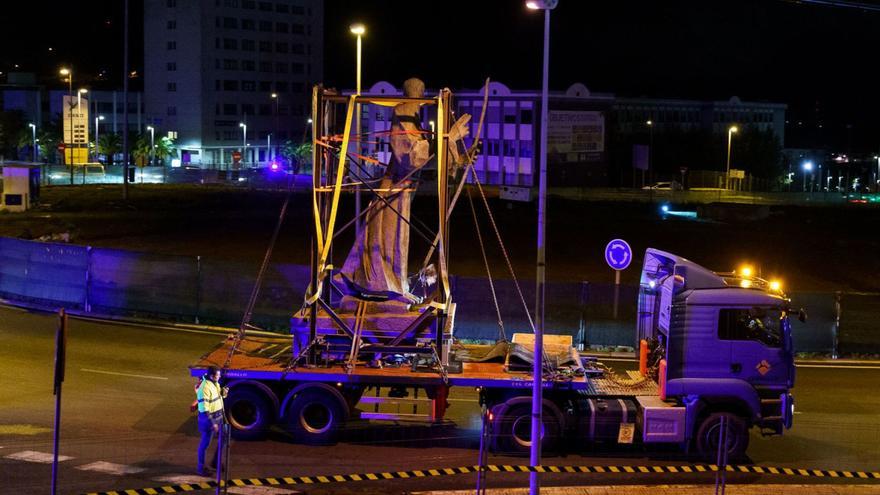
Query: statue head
pixel 413 88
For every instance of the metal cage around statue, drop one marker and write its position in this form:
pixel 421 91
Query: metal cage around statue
pixel 364 312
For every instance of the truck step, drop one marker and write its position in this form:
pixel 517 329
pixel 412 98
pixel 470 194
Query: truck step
pixel 395 416
pixel 771 401
pixel 772 418
pixel 394 400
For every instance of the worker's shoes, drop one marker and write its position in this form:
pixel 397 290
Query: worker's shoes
pixel 205 471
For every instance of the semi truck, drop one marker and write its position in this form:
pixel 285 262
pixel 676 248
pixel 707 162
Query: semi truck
pixel 715 349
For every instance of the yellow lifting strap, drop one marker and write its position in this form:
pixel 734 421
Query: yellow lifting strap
pixel 340 173
pixel 441 192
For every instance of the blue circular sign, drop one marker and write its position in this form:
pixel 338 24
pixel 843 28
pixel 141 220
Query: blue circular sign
pixel 618 254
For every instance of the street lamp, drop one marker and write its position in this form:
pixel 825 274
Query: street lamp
pixel 79 93
pixel 358 30
pixel 69 73
pixel 275 124
pixel 243 140
pixel 152 143
pixel 807 167
pixel 538 361
pixel 34 135
pixel 97 118
pixel 650 124
pixel 730 132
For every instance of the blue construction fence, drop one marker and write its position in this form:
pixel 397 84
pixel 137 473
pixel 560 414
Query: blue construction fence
pixel 197 289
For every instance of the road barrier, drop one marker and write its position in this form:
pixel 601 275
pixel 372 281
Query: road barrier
pixel 504 468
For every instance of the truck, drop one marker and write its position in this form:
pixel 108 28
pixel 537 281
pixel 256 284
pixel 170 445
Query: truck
pixel 715 348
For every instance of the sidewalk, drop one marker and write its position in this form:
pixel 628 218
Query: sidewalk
pixel 682 490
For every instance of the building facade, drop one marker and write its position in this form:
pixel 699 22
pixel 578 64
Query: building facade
pixel 581 126
pixel 212 67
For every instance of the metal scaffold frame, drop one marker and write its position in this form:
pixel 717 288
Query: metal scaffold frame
pixel 332 165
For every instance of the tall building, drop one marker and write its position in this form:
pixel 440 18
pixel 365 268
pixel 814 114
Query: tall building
pixel 212 67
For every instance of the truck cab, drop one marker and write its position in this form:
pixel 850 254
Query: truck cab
pixel 722 346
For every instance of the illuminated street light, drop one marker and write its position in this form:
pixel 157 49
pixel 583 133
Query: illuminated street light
pixel 152 143
pixel 97 119
pixel 34 134
pixel 540 271
pixel 64 71
pixel 79 93
pixel 730 132
pixel 808 168
pixel 358 30
pixel 243 140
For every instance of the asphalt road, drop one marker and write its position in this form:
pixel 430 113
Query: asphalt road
pixel 126 423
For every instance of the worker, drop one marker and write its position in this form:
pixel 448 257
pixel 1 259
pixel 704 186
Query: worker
pixel 210 397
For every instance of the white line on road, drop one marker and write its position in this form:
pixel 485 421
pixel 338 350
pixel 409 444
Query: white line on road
pixel 151 377
pixel 261 490
pixel 110 468
pixel 33 456
pixel 182 479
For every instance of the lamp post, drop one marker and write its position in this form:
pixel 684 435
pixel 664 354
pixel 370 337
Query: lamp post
pixel 538 361
pixel 650 125
pixel 358 30
pixel 730 132
pixel 807 167
pixel 268 147
pixel 152 143
pixel 97 119
pixel 275 124
pixel 69 73
pixel 243 141
pixel 34 137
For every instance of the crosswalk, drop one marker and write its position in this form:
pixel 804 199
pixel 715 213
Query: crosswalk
pixel 114 469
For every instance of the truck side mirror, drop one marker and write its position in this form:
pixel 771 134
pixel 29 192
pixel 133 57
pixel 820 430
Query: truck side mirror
pixel 802 315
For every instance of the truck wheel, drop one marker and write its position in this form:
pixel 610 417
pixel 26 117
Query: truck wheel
pixel 250 413
pixel 737 436
pixel 314 417
pixel 515 431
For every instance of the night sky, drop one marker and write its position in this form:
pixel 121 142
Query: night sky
pixel 819 60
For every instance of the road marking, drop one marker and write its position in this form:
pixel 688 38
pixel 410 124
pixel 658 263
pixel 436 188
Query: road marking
pixel 110 468
pixel 183 479
pixel 34 456
pixel 132 375
pixel 22 429
pixel 838 366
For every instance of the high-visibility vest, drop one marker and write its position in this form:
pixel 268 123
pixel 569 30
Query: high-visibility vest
pixel 209 397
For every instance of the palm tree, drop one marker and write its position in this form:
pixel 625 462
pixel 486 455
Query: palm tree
pixel 141 152
pixel 298 155
pixel 165 148
pixel 109 144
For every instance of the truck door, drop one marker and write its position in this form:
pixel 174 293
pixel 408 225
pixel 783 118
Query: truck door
pixel 756 344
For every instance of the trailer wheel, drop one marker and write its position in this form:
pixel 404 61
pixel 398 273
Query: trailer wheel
pixel 250 413
pixel 315 417
pixel 514 431
pixel 737 436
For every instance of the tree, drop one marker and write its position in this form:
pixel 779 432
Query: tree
pixel 141 150
pixel 109 144
pixel 12 124
pixel 759 152
pixel 165 148
pixel 299 156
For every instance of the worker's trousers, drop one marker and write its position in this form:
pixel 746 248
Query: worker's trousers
pixel 206 428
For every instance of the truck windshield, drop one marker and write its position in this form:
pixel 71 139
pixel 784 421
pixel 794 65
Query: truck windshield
pixel 761 324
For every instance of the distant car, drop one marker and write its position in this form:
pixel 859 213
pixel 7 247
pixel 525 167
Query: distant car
pixel 664 186
pixel 186 174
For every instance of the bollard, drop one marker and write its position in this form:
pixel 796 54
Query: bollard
pixel 643 357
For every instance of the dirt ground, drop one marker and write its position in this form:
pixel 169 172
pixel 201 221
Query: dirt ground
pixel 818 248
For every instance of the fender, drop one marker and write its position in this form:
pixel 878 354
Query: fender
pixel 323 386
pixel 258 385
pixel 717 388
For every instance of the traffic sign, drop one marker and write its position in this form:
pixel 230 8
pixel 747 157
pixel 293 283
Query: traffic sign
pixel 618 254
pixel 60 146
pixel 236 156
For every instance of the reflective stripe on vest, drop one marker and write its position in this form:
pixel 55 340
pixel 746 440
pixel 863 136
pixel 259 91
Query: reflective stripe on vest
pixel 209 397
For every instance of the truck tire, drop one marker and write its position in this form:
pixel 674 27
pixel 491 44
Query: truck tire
pixel 514 431
pixel 315 417
pixel 737 436
pixel 249 412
